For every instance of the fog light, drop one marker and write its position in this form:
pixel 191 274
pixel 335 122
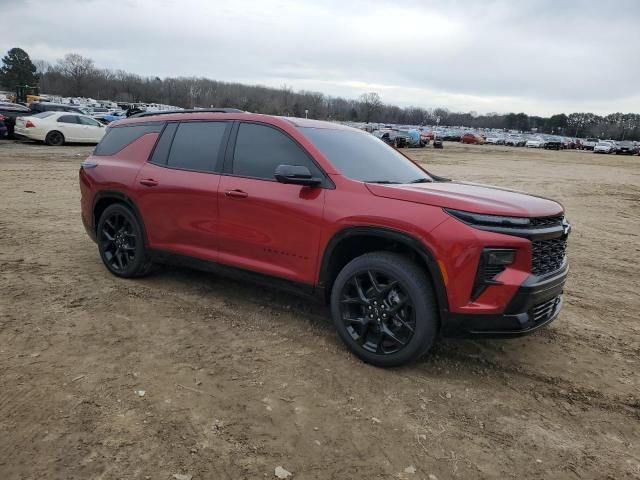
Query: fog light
pixel 493 262
pixel 499 257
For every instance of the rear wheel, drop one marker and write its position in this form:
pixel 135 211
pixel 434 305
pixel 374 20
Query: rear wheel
pixel 54 138
pixel 384 309
pixel 121 243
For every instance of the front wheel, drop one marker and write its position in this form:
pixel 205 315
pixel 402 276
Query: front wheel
pixel 384 309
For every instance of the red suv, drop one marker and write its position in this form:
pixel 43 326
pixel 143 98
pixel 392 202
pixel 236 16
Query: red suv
pixel 400 254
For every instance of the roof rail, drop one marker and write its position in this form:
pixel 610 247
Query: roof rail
pixel 195 110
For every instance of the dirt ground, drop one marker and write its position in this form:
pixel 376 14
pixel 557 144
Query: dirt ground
pixel 239 380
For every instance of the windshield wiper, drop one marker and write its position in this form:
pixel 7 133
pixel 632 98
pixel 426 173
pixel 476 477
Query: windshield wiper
pixel 421 180
pixel 384 182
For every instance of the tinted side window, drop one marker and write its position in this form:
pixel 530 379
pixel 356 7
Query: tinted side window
pixel 260 149
pixel 163 146
pixel 88 121
pixel 68 119
pixel 197 145
pixel 117 138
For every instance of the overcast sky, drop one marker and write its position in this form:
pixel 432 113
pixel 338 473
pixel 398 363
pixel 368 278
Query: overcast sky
pixel 540 57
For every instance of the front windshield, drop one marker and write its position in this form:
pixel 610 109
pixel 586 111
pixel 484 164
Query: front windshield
pixel 363 157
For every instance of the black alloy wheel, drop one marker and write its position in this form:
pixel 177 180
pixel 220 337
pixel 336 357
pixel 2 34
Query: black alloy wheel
pixel 118 241
pixel 54 138
pixel 121 242
pixel 384 308
pixel 377 312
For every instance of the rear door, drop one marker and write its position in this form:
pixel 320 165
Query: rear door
pixel 177 189
pixel 267 226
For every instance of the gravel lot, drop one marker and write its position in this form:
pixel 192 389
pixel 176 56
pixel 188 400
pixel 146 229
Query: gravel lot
pixel 239 380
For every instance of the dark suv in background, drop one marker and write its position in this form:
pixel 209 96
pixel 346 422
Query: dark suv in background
pixel 400 255
pixel 39 107
pixel 9 113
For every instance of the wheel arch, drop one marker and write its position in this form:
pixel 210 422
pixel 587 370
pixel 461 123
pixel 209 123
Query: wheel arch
pixel 106 198
pixel 354 241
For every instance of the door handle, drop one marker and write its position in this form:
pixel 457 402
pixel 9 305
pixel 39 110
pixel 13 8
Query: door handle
pixel 236 194
pixel 149 182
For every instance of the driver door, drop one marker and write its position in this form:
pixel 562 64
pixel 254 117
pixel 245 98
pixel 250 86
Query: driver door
pixel 267 226
pixel 70 127
pixel 92 130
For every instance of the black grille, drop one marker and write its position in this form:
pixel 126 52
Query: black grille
pixel 545 310
pixel 548 255
pixel 546 221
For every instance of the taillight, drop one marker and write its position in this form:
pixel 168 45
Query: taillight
pixel 29 124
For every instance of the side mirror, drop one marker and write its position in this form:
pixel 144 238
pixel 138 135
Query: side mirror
pixel 296 174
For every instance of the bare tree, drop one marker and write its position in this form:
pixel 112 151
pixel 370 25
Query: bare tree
pixel 79 69
pixel 370 106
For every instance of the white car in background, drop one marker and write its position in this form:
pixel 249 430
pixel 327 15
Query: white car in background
pixel 494 140
pixel 535 142
pixel 604 147
pixel 56 128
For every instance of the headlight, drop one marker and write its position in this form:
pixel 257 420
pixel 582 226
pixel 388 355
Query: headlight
pixel 488 220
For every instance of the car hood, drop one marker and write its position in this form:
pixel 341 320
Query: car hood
pixel 470 197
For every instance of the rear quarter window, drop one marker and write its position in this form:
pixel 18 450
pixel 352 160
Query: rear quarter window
pixel 117 138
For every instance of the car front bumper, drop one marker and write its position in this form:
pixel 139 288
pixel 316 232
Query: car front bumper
pixel 536 304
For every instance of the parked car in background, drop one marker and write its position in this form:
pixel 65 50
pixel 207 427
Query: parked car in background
pixel 39 107
pixel 3 126
pixel 472 138
pixel 112 116
pixel 553 143
pixel 579 144
pixel 603 147
pixel 428 134
pixel 400 256
pixel 626 148
pixel 568 143
pixel 393 137
pixel 515 140
pixel 451 135
pixel 493 139
pixel 425 137
pixel 535 142
pixel 57 128
pixel 10 111
pixel 414 138
pixel 590 143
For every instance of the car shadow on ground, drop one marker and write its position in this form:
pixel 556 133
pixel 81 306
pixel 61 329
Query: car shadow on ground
pixel 465 353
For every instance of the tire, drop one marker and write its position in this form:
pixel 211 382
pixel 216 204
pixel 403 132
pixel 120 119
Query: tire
pixel 121 242
pixel 411 326
pixel 54 138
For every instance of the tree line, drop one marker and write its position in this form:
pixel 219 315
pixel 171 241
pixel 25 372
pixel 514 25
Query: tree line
pixel 78 76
